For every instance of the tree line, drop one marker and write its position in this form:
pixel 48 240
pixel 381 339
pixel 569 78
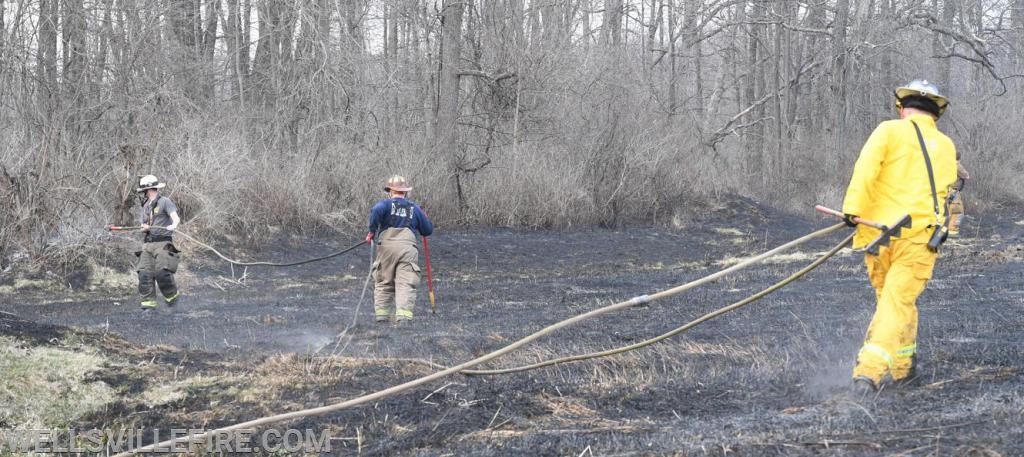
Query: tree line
pixel 271 114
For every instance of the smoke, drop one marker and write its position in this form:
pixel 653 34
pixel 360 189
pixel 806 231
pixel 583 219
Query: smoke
pixel 306 340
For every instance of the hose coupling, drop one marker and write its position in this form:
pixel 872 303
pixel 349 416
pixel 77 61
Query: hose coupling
pixel 640 300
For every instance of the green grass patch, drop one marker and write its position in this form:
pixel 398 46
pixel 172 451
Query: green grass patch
pixel 44 387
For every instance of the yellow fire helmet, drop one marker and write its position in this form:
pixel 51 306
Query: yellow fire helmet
pixel 397 183
pixel 922 88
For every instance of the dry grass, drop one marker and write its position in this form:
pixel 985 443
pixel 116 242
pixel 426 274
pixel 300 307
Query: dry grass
pixel 44 387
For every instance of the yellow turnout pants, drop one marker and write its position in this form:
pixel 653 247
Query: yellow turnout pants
pixel 899 274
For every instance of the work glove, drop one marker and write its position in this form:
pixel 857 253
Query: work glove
pixel 369 238
pixel 848 219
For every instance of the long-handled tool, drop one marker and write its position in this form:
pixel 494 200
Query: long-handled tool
pixel 430 277
pixel 887 231
pixel 115 228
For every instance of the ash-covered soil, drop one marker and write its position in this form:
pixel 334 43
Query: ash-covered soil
pixel 769 379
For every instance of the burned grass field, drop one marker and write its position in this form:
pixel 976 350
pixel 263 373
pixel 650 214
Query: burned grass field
pixel 769 379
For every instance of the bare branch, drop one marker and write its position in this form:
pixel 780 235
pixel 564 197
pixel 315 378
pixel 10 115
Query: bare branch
pixel 480 74
pixel 727 129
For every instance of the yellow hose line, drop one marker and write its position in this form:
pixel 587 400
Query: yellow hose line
pixel 632 347
pixel 495 354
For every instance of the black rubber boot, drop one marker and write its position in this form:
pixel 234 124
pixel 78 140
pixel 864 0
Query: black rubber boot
pixel 863 387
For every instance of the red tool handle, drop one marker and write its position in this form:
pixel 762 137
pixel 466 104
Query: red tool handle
pixel 430 276
pixel 839 214
pixel 115 228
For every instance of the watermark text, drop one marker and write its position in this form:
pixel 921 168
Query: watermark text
pixel 155 441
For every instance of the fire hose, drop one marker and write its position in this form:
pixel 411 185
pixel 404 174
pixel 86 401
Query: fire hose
pixel 114 228
pixel 638 300
pixel 718 312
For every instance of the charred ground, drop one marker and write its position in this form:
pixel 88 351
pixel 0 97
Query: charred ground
pixel 769 379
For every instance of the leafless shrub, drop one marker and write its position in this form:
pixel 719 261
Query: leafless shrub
pixel 527 123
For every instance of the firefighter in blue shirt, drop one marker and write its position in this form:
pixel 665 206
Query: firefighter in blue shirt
pixel 396 223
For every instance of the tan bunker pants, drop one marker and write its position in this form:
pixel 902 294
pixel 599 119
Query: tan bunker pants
pixel 396 274
pixel 956 215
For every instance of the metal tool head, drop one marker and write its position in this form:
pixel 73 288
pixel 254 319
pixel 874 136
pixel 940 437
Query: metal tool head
pixel 888 232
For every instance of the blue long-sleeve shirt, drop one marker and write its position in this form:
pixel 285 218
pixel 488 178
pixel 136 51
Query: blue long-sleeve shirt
pixel 399 212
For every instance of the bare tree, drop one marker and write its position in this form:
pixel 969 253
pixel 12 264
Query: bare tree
pixel 612 24
pixel 617 106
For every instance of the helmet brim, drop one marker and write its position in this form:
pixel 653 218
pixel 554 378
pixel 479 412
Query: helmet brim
pixel 155 186
pixel 397 189
pixel 938 99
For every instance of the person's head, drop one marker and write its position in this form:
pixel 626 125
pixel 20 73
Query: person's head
pixel 920 96
pixel 148 186
pixel 397 186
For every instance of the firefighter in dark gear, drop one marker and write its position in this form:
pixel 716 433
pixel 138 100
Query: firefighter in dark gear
pixel 158 259
pixel 396 223
pixel 890 179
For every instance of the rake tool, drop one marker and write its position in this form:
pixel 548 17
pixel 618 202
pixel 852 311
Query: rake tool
pixel 887 231
pixel 430 277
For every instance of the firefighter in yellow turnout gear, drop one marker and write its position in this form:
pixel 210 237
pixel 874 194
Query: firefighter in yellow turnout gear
pixel 890 179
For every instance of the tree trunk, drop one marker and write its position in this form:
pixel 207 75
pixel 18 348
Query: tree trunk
pixel 209 33
pixel 838 83
pixel 612 26
pixel 3 35
pixel 774 155
pixel 237 52
pixel 943 44
pixel 754 89
pixel 391 68
pixel 815 90
pixel 673 58
pixel 75 51
pixel 445 138
pixel 1017 23
pixel 552 20
pixel 692 40
pixel 887 64
pixel 653 26
pixel 535 27
pixel 106 35
pixel 47 56
pixel 274 48
pixel 588 31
